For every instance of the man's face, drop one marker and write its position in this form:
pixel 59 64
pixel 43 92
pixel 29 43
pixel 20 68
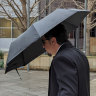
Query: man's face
pixel 48 45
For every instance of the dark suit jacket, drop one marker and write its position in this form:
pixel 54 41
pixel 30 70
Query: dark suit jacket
pixel 69 73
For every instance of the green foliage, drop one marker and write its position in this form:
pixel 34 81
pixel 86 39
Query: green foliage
pixel 93 54
pixel 1 59
pixel 1 55
pixel 1 63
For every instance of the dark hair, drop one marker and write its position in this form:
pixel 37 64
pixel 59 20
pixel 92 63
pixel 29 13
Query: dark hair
pixel 59 32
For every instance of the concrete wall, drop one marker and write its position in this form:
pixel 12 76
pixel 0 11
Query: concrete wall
pixel 92 62
pixel 5 43
pixel 43 62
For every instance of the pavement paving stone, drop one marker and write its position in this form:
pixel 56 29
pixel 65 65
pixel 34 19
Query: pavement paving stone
pixel 33 83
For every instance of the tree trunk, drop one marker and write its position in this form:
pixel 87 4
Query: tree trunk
pixel 24 17
pixel 88 29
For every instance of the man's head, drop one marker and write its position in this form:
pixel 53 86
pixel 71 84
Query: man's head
pixel 54 38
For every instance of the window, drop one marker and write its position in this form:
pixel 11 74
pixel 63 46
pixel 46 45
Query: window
pixel 8 29
pixel 5 28
pixel 93 32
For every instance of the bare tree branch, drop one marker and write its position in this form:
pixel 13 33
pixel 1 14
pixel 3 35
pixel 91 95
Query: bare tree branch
pixel 61 5
pixel 23 2
pixel 16 13
pixel 92 25
pixel 34 4
pixel 91 4
pixel 17 7
pixel 93 11
pixel 14 9
pixel 2 12
pixel 42 11
pixel 10 17
pixel 78 4
pixel 92 21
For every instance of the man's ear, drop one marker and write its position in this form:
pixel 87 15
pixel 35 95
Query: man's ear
pixel 53 40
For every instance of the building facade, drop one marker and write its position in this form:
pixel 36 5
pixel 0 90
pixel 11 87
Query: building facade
pixel 53 5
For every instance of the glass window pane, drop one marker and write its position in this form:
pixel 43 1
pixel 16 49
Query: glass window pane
pixel 5 23
pixel 5 32
pixel 15 33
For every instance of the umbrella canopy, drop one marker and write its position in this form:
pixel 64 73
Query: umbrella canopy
pixel 28 46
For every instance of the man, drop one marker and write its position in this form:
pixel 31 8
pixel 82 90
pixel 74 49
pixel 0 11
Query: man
pixel 69 71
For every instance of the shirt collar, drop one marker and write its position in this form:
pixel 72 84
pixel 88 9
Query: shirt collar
pixel 59 48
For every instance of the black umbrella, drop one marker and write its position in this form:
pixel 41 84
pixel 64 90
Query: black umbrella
pixel 28 46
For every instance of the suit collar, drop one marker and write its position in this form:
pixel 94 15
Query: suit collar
pixel 65 45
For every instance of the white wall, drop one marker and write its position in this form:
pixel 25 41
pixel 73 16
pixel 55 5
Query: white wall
pixel 5 43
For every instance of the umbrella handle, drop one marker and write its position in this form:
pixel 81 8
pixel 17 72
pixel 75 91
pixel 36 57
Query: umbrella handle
pixel 18 73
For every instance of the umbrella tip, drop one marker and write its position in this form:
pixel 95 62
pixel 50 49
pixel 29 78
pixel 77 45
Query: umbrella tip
pixel 18 74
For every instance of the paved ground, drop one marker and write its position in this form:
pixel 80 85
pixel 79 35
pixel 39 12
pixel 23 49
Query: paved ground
pixel 33 83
